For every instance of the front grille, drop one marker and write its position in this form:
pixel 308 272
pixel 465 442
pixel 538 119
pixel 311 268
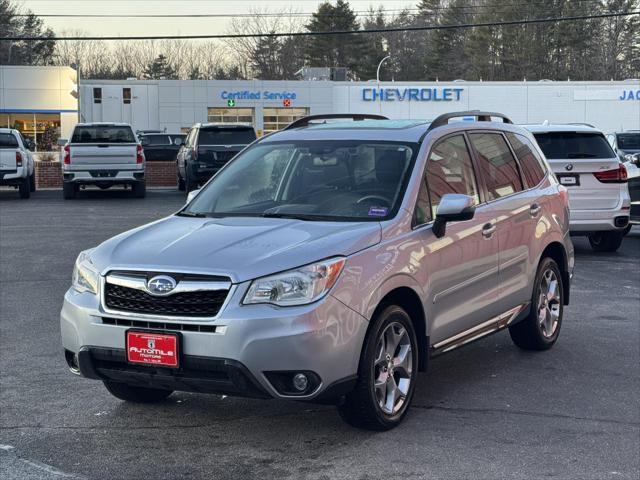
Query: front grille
pixel 184 304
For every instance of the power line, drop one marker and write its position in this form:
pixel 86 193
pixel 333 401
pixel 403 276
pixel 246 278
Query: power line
pixel 338 32
pixel 365 13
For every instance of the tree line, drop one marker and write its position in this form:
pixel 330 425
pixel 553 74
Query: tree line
pixel 593 49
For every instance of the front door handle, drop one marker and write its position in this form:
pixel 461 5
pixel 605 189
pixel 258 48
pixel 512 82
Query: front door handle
pixel 488 229
pixel 534 210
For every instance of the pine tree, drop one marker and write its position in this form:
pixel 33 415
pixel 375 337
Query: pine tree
pixel 160 69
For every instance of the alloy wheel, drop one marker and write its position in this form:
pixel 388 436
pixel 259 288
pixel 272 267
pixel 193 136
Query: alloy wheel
pixel 549 303
pixel 393 365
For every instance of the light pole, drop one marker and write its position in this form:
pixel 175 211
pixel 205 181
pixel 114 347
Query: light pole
pixel 378 79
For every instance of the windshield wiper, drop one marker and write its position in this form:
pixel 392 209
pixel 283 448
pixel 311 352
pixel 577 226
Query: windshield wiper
pixel 192 214
pixel 296 216
pixel 581 155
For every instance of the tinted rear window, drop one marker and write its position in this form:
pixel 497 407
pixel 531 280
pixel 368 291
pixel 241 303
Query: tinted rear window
pixel 155 140
pixel 226 136
pixel 629 141
pixel 8 140
pixel 103 134
pixel 572 145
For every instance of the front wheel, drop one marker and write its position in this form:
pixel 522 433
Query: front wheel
pixel 606 241
pixel 189 184
pixel 540 330
pixel 129 393
pixel 181 185
pixel 387 373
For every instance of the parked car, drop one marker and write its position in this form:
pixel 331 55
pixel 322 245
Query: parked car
pixel 207 148
pixel 16 162
pixel 632 165
pixel 161 146
pixel 103 154
pixel 584 162
pixel 625 144
pixel 328 263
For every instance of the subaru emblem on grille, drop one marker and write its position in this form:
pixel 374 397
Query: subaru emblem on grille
pixel 161 285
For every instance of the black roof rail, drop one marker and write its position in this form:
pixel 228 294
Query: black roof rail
pixel 480 117
pixel 305 121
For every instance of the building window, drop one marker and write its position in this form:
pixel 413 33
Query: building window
pixel 231 115
pixel 97 95
pixel 42 128
pixel 126 95
pixel 278 118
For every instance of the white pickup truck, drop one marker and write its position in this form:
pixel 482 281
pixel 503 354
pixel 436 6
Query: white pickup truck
pixel 103 154
pixel 16 162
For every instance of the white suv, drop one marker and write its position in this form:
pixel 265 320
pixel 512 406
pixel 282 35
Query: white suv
pixel 584 162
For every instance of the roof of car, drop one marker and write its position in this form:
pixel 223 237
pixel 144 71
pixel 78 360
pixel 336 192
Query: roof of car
pixel 103 124
pixel 223 124
pixel 7 130
pixel 567 127
pixel 411 131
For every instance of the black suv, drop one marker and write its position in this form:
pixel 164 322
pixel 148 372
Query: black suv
pixel 161 146
pixel 207 148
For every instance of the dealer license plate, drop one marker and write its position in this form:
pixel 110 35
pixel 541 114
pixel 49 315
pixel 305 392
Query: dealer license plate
pixel 148 348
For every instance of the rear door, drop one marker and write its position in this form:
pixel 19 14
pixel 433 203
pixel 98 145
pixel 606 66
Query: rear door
pixel 576 158
pixel 108 145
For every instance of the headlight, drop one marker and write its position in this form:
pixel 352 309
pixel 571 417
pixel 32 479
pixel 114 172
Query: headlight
pixel 85 277
pixel 296 287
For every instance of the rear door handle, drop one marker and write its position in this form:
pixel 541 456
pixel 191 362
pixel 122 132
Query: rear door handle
pixel 534 210
pixel 488 229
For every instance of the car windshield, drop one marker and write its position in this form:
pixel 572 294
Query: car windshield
pixel 8 140
pixel 574 145
pixel 320 180
pixel 629 141
pixel 226 136
pixel 103 134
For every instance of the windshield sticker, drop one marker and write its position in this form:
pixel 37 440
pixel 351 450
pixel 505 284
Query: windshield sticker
pixel 378 211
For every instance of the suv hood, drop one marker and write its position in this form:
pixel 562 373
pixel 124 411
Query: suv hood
pixel 242 248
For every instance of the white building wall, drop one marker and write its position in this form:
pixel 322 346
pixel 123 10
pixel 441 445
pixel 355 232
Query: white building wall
pixel 178 104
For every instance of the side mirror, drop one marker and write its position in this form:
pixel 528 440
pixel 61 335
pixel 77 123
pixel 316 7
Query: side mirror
pixel 192 194
pixel 62 142
pixel 454 207
pixel 179 141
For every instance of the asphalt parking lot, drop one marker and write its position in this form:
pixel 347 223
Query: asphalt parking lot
pixel 485 411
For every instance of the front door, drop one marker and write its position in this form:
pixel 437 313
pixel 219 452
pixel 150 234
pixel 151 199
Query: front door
pixel 461 268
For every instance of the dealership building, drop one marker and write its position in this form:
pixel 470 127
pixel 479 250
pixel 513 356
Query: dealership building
pixel 35 98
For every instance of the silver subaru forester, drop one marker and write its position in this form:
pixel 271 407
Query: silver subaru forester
pixel 329 262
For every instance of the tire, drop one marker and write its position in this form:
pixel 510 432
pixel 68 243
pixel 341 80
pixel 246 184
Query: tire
pixel 626 230
pixel 129 393
pixel 32 181
pixel 69 190
pixel 181 185
pixel 362 407
pixel 540 330
pixel 606 241
pixel 139 189
pixel 24 189
pixel 189 184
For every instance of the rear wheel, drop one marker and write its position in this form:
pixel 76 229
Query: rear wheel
pixel 24 189
pixel 387 373
pixel 181 185
pixel 32 181
pixel 69 190
pixel 540 330
pixel 139 189
pixel 606 241
pixel 129 393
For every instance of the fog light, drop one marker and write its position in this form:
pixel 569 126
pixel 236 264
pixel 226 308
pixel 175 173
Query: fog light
pixel 300 382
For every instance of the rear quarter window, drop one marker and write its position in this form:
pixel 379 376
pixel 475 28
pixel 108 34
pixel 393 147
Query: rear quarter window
pixel 103 134
pixel 533 167
pixel 574 145
pixel 8 140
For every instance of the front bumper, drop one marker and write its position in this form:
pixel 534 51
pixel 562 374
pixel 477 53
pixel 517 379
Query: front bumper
pixel 234 357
